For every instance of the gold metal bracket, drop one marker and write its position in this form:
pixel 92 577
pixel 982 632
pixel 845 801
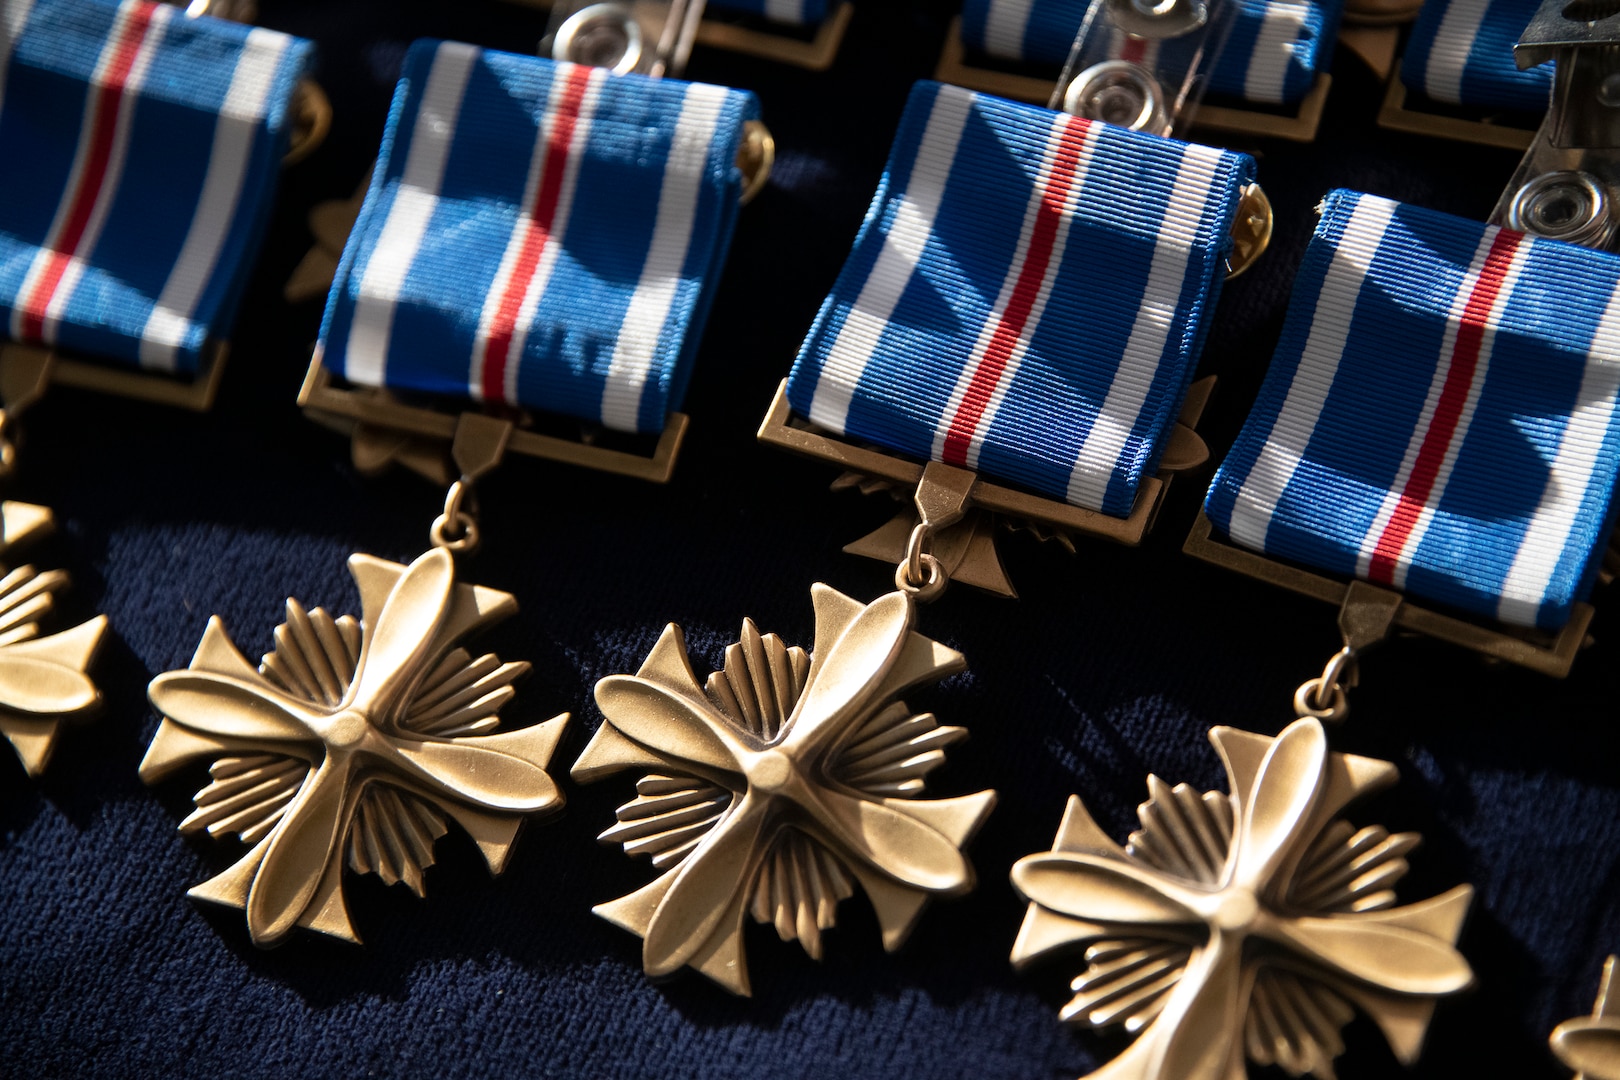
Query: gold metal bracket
pixel 196 394
pixel 312 121
pixel 386 429
pixel 1298 126
pixel 965 544
pixel 1550 654
pixel 814 54
pixel 1379 13
pixel 1396 115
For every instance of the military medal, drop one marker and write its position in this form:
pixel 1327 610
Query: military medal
pixel 142 146
pixel 1439 425
pixel 496 258
pixel 964 335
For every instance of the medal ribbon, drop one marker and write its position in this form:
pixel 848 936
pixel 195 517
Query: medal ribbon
pixel 1027 296
pixel 539 234
pixel 142 149
pixel 1461 53
pixel 786 12
pixel 1272 56
pixel 1440 415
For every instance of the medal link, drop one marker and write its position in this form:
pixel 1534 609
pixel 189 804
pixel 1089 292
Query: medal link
pixel 456 530
pixel 1325 697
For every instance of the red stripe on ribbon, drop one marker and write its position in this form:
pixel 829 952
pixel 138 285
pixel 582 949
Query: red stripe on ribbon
pixel 1448 412
pixel 536 233
pixel 101 117
pixel 1010 325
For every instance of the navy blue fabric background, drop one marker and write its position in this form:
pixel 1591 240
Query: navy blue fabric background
pixel 1113 664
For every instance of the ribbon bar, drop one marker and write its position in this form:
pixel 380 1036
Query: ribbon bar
pixel 1272 56
pixel 539 234
pixel 1027 296
pixel 1461 53
pixel 141 151
pixel 1440 415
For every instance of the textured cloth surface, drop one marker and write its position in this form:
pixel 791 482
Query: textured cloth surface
pixel 141 151
pixel 540 234
pixel 1027 298
pixel 1461 53
pixel 1112 664
pixel 1440 416
pixel 1272 55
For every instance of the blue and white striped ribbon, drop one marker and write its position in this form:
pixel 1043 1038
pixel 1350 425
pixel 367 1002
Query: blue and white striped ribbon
pixel 786 12
pixel 540 234
pixel 1440 416
pixel 140 152
pixel 1461 53
pixel 1273 55
pixel 1027 296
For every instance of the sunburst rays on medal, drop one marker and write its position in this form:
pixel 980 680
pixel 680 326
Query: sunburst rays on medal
pixel 1244 926
pixel 42 679
pixel 353 743
pixel 779 784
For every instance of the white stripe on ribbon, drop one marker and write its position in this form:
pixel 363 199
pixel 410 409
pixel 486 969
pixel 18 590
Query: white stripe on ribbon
pixel 110 179
pixel 1431 402
pixel 366 358
pixel 1291 432
pixel 557 229
pixel 1453 42
pixel 1274 49
pixel 649 305
pixel 234 133
pixel 1156 314
pixel 903 245
pixel 1038 196
pixel 1570 475
pixel 13 17
pixel 1005 22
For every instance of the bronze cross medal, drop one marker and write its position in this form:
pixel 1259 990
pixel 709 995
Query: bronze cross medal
pixel 779 781
pixel 1245 925
pixel 353 740
pixel 42 679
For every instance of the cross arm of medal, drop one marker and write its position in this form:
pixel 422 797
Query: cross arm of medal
pixel 386 732
pixel 813 768
pixel 43 679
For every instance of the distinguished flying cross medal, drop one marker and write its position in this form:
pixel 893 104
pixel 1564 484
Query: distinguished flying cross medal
pixel 1245 925
pixel 779 783
pixel 42 679
pixel 353 743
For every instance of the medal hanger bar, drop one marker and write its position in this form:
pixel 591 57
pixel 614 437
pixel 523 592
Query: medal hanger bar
pixel 1550 654
pixel 760 38
pixel 1398 114
pixel 751 36
pixel 354 411
pixel 1007 81
pixel 1184 450
pixel 196 394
